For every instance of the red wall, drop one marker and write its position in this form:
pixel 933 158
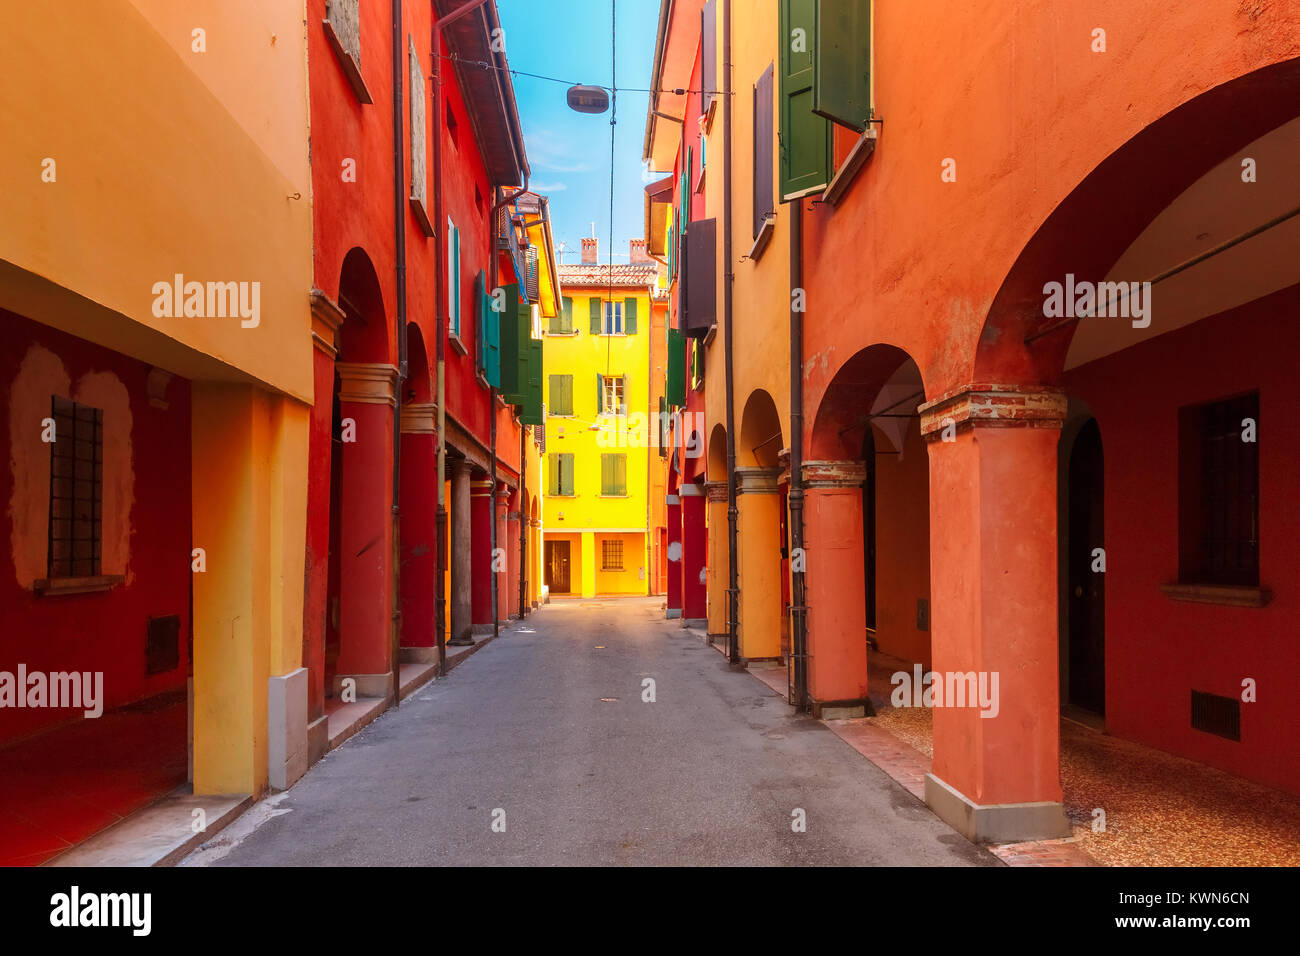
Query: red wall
pixel 103 631
pixel 1158 650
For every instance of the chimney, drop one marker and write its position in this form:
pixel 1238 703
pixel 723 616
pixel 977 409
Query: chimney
pixel 636 253
pixel 589 254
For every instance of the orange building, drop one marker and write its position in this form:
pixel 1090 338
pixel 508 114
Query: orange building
pixel 1035 288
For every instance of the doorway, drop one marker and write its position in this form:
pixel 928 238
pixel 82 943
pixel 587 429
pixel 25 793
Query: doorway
pixel 1087 580
pixel 557 566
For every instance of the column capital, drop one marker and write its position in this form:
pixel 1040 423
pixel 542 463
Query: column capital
pixel 716 491
pixel 995 406
pixel 458 467
pixel 480 488
pixel 420 418
pixel 834 474
pixel 368 383
pixel 326 318
pixel 690 490
pixel 753 480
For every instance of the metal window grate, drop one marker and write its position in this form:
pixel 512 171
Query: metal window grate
pixel 1230 489
pixel 1216 715
pixel 611 555
pixel 76 490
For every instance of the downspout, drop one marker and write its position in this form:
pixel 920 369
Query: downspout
pixel 798 584
pixel 523 522
pixel 733 578
pixel 399 229
pixel 439 257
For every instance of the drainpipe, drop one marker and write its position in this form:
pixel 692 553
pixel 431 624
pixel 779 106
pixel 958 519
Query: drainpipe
pixel 523 522
pixel 733 579
pixel 399 229
pixel 798 584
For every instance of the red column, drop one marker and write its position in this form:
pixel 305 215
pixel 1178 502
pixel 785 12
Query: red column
pixel 996 770
pixel 500 560
pixel 837 615
pixel 419 524
pixel 480 519
pixel 326 319
pixel 694 554
pixel 674 556
pixel 366 525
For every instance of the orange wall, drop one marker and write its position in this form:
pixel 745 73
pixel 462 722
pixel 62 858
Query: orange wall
pixel 902 547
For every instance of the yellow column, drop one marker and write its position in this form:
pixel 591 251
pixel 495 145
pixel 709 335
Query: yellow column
pixel 718 573
pixel 249 510
pixel 759 562
pixel 588 564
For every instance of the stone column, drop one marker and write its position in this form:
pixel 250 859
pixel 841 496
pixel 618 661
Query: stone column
pixel 515 559
pixel 480 518
pixel 837 614
pixel 462 605
pixel 418 543
pixel 694 545
pixel 996 769
pixel 758 562
pixel 717 565
pixel 500 560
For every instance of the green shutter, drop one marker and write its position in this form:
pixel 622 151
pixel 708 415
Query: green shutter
pixel 842 87
pixel 490 332
pixel 510 345
pixel 532 411
pixel 676 387
pixel 600 393
pixel 566 473
pixel 520 315
pixel 604 474
pixel 593 305
pixel 623 407
pixel 553 474
pixel 566 315
pixel 805 137
pixel 620 474
pixel 456 279
pixel 629 316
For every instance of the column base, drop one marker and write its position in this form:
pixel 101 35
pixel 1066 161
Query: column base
pixel 286 728
pixel 368 685
pixel 417 655
pixel 995 822
pixel 674 613
pixel 842 709
pixel 466 641
pixel 318 738
pixel 695 622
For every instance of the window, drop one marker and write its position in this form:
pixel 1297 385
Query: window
pixel 451 124
pixel 561 394
pixel 76 490
pixel 613 323
pixel 611 555
pixel 613 475
pixel 1218 494
pixel 664 435
pixel 562 321
pixel 762 164
pixel 453 278
pixel 559 473
pixel 613 395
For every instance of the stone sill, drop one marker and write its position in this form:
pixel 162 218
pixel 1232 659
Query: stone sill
pixel 54 586
pixel 456 343
pixel 1226 595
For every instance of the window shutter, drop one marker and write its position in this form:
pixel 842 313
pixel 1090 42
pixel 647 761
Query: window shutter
pixel 553 474
pixel 805 137
pixel 566 315
pixel 629 316
pixel 456 281
pixel 604 474
pixel 533 412
pixel 510 344
pixel 566 473
pixel 709 52
pixel 622 409
pixel 763 205
pixel 480 327
pixel 676 388
pixel 842 87
pixel 593 305
pixel 523 319
pixel 620 474
pixel 600 394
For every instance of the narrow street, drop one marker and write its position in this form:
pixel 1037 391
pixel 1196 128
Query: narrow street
pixel 548 724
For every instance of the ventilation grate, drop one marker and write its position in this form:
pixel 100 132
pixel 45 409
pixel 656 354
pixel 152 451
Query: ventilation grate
pixel 1216 715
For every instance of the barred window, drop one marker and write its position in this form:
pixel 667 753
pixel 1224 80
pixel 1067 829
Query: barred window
pixel 611 555
pixel 1219 492
pixel 76 490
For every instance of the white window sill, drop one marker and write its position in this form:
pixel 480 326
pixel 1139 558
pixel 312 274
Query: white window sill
pixel 50 587
pixel 1224 594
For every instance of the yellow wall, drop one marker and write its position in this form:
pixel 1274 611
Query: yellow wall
pixel 633 578
pixel 165 162
pixel 584 355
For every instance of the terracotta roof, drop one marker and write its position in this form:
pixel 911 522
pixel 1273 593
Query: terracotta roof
pixel 620 276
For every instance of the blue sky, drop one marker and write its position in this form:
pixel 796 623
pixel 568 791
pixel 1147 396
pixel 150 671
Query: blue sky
pixel 569 151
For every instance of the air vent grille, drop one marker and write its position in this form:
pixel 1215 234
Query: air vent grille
pixel 1216 715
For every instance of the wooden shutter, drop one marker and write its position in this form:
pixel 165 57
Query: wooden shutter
pixel 492 334
pixel 842 88
pixel 709 52
pixel 510 343
pixel 566 315
pixel 522 316
pixel 805 137
pixel 600 393
pixel 533 412
pixel 620 474
pixel 480 327
pixel 605 478
pixel 701 288
pixel 552 474
pixel 676 387
pixel 456 281
pixel 566 473
pixel 763 148
pixel 622 408
pixel 593 307
pixel 629 316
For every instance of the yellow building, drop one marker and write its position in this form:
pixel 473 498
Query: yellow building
pixel 598 422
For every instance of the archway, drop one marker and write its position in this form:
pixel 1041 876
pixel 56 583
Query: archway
pixel 419 476
pixel 762 549
pixel 359 592
pixel 867 493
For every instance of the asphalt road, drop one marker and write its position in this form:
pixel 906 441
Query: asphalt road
pixel 545 730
